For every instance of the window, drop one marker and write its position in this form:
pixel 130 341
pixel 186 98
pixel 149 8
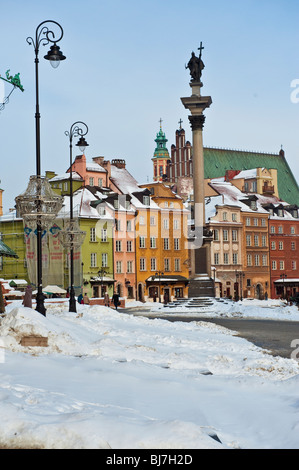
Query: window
pixel 165 204
pixel 93 260
pixel 91 181
pixel 176 243
pixel 281 265
pixel 255 222
pixel 256 240
pixel 249 260
pixel 293 265
pixel 118 225
pixel 264 260
pixel 92 234
pixel 104 260
pixel 280 245
pixel 235 258
pixel 256 260
pixel 166 264
pixel 234 217
pixel 216 258
pixel 253 205
pixel 166 223
pixel 118 267
pixel 264 240
pixel 247 221
pixel 153 242
pixel 103 235
pixel 129 246
pixel 129 266
pixel 100 182
pixel 116 204
pixel 293 246
pixel 129 225
pixel 248 240
pixel 224 216
pixel 254 186
pixel 152 220
pixel 177 264
pixel 141 220
pixel 176 224
pixel 118 245
pixel 101 210
pixel 166 243
pixel 248 284
pixel 142 264
pixel 280 213
pixel 272 229
pixel 146 200
pixel 225 258
pixel 280 229
pixel 153 264
pixel 273 246
pixel 274 265
pixel 65 185
pixel 141 242
pixel 234 235
pixel 293 230
pixel 216 235
pixel 225 235
pixel 263 222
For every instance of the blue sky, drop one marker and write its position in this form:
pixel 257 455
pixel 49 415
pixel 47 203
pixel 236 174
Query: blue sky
pixel 125 69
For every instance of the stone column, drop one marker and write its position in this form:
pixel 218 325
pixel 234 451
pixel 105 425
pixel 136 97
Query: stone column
pixel 200 256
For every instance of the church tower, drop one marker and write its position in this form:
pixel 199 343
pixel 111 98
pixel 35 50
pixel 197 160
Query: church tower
pixel 161 156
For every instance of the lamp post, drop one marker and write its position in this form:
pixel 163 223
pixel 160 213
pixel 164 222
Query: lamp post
pixel 74 131
pixel 43 205
pixel 240 275
pixel 159 274
pixel 102 273
pixel 283 277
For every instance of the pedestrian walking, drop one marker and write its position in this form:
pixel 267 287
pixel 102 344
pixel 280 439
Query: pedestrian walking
pixel 27 301
pixel 115 299
pixel 106 299
pixel 86 299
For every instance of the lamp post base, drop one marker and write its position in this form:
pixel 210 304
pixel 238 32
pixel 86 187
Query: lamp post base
pixel 40 306
pixel 72 302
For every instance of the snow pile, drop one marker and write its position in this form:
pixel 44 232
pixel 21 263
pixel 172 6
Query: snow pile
pixel 112 380
pixel 247 308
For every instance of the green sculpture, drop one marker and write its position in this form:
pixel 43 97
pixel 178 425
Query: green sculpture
pixel 15 81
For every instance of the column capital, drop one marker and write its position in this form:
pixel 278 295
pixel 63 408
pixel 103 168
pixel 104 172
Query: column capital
pixel 197 122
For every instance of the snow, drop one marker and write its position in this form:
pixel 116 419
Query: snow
pixel 113 380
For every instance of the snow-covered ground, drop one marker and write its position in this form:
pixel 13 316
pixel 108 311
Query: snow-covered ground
pixel 111 380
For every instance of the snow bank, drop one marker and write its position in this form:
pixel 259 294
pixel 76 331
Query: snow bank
pixel 109 380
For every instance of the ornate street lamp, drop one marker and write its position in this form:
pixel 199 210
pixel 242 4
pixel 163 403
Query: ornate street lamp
pixel 39 207
pixel 72 236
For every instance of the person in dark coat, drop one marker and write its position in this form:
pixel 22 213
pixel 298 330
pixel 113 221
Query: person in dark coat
pixel 115 300
pixel 27 302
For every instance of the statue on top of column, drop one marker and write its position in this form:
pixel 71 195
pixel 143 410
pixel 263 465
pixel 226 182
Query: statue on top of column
pixel 196 65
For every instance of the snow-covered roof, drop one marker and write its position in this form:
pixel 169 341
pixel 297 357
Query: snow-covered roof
pixel 65 176
pixel 95 167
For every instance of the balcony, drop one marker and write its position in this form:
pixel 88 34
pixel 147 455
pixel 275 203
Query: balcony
pixel 267 189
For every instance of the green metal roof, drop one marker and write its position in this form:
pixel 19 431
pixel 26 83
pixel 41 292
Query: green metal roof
pixel 217 161
pixel 161 149
pixel 6 251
